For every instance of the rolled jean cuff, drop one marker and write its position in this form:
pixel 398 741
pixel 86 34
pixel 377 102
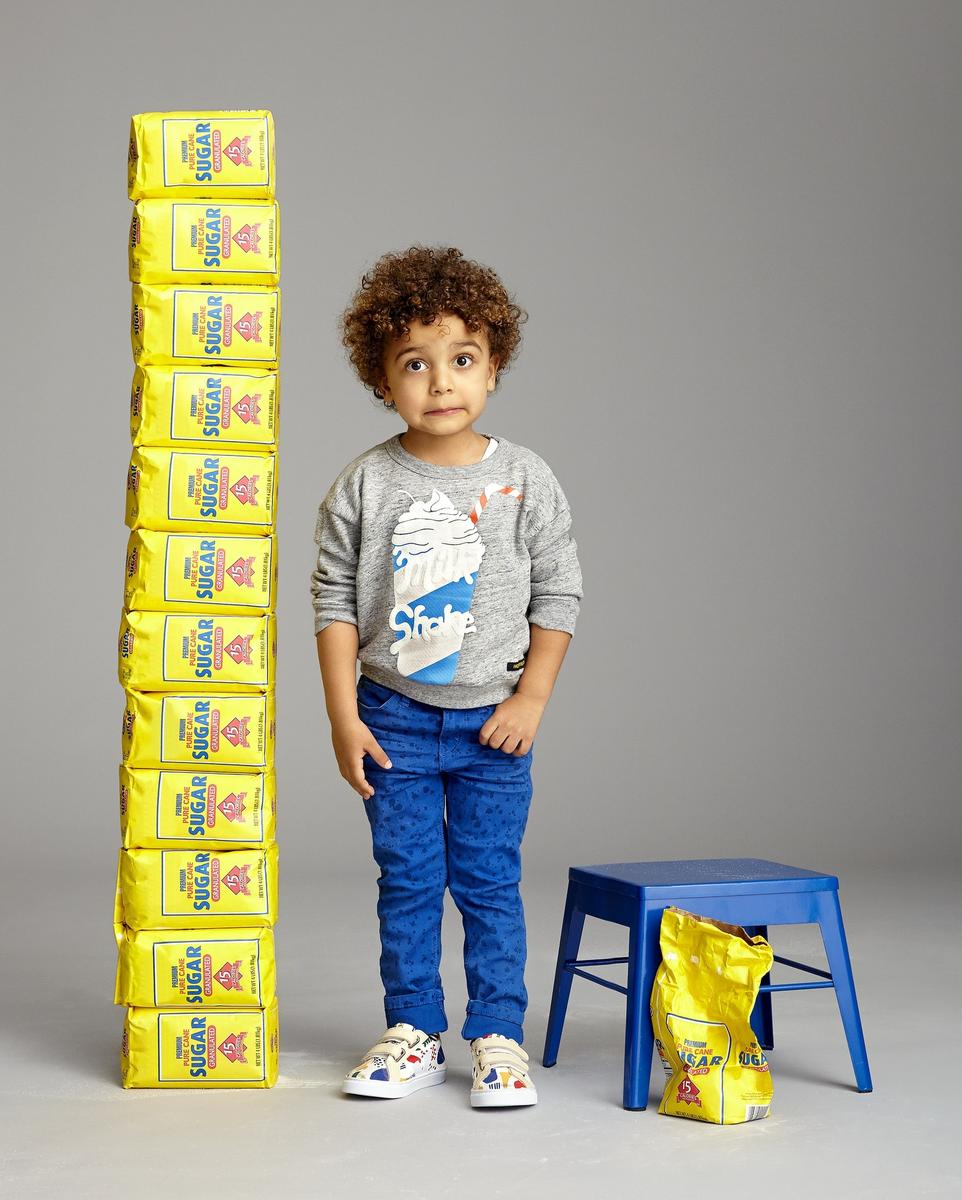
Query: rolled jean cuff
pixel 490 1018
pixel 423 1010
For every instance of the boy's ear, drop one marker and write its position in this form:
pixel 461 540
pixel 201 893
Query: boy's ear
pixel 495 362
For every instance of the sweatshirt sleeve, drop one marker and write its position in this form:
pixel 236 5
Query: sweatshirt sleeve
pixel 338 538
pixel 556 584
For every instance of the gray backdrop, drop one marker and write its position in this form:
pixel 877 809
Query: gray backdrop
pixel 735 227
pixel 736 231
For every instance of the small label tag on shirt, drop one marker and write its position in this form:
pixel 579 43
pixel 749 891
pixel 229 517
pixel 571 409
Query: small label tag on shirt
pixel 518 664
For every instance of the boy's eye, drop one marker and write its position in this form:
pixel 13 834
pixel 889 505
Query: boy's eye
pixel 412 362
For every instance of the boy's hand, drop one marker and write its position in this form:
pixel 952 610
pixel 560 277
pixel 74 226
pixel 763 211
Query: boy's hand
pixel 352 739
pixel 513 725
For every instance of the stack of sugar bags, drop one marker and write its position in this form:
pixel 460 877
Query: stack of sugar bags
pixel 197 880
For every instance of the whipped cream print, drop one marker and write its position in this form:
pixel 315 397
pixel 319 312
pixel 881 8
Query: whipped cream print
pixel 437 553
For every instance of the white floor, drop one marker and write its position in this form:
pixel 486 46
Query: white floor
pixel 67 1128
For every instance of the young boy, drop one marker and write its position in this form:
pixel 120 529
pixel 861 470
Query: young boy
pixel 445 565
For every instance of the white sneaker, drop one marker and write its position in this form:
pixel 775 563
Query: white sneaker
pixel 403 1061
pixel 500 1073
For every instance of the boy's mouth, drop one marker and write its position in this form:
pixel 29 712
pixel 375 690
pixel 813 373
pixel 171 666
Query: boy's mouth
pixel 440 412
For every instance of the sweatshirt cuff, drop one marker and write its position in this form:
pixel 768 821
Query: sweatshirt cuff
pixel 322 622
pixel 553 612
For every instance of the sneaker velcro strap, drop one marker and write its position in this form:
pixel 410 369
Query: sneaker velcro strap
pixel 395 1045
pixel 501 1049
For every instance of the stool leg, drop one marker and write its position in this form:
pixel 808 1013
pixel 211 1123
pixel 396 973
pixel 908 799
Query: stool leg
pixel 639 1037
pixel 761 1019
pixel 836 950
pixel 571 926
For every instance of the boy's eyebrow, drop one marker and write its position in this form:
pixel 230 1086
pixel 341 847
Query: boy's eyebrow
pixel 421 349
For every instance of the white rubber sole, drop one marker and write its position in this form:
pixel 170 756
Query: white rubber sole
pixel 505 1098
pixel 384 1090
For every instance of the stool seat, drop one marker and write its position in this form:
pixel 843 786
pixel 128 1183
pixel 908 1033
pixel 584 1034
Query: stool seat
pixel 722 874
pixel 752 892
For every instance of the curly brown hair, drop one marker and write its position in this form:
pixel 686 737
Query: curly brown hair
pixel 419 284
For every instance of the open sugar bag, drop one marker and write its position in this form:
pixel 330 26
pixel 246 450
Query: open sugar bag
pixel 701 1004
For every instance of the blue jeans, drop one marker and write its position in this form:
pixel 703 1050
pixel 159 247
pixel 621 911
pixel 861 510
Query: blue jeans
pixel 475 852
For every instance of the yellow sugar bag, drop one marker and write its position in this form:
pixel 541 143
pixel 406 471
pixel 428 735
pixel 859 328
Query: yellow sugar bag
pixel 701 1005
pixel 230 730
pixel 174 489
pixel 197 967
pixel 219 652
pixel 182 572
pixel 228 154
pixel 181 1048
pixel 204 409
pixel 188 241
pixel 202 889
pixel 180 810
pixel 235 327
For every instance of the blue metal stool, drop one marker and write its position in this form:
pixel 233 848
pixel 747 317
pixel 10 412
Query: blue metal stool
pixel 750 892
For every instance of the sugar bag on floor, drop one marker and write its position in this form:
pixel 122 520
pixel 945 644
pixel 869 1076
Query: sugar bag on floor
pixel 181 1048
pixel 701 1004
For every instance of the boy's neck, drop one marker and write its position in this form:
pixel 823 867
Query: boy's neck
pixel 462 449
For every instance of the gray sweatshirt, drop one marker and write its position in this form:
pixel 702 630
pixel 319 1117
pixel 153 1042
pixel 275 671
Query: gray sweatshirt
pixel 442 568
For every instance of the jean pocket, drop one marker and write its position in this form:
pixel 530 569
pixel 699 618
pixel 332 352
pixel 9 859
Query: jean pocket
pixel 375 696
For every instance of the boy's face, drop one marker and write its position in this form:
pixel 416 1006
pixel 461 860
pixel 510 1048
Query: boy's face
pixel 437 367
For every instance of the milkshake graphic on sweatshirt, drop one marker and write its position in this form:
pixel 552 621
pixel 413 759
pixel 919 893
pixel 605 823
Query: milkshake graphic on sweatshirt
pixel 436 553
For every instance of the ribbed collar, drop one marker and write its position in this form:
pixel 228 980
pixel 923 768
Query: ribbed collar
pixel 471 471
